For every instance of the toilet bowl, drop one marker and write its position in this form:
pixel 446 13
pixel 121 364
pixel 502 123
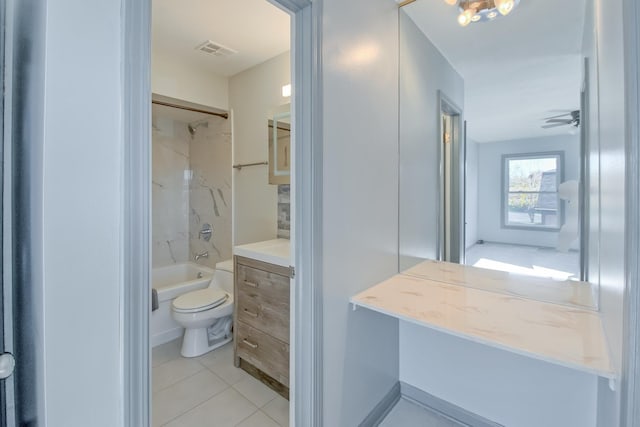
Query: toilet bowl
pixel 206 314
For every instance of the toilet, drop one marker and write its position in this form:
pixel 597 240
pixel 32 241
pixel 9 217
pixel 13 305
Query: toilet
pixel 206 314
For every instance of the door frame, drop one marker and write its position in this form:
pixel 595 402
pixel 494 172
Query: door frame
pixel 458 149
pixel 630 384
pixel 306 328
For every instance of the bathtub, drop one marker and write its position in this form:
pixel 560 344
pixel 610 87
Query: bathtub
pixel 170 282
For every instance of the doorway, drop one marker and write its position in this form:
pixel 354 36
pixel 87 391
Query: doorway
pixel 305 310
pixel 452 176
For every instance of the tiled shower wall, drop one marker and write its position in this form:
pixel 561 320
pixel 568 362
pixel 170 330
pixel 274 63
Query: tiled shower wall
pixel 210 191
pixel 191 187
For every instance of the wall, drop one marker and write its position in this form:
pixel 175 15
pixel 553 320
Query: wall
pixel 170 191
pixel 210 197
pixel 490 187
pixel 611 151
pixel 423 71
pixel 471 194
pixel 191 187
pixel 507 388
pixel 253 95
pixel 82 214
pixel 360 202
pixel 188 82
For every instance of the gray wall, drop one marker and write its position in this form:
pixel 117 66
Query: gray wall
pixel 513 390
pixel 471 194
pixel 360 202
pixel 490 188
pixel 608 144
pixel 423 71
pixel 83 212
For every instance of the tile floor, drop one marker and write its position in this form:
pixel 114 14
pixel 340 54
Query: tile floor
pixel 209 390
pixel 530 260
pixel 407 413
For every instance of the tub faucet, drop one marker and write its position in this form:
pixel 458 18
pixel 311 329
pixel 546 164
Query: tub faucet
pixel 202 255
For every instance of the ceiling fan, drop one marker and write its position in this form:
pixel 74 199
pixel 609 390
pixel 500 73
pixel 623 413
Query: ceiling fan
pixel 569 118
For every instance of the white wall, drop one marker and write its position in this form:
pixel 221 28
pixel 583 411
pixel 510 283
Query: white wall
pixel 471 194
pixel 188 82
pixel 82 209
pixel 360 202
pixel 507 388
pixel 423 71
pixel 253 96
pixel 490 187
pixel 610 149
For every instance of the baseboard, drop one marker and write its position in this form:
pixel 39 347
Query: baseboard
pixel 443 407
pixel 383 407
pixel 166 336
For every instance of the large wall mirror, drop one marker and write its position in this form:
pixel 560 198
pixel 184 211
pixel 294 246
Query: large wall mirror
pixel 498 159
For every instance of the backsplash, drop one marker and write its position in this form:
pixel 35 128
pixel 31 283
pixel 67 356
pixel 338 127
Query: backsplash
pixel 191 186
pixel 284 211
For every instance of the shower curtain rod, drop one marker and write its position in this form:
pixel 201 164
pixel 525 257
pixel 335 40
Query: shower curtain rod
pixel 182 107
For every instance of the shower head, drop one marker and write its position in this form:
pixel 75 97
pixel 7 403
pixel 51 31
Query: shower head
pixel 195 125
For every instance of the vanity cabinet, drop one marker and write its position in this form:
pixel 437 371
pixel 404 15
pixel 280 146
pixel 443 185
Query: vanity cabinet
pixel 261 321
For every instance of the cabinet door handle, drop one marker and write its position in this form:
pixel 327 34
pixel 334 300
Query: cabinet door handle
pixel 250 344
pixel 250 313
pixel 253 285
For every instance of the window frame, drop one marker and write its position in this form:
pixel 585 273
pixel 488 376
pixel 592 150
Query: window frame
pixel 504 190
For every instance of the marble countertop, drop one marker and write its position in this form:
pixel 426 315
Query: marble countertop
pixel 272 251
pixel 568 292
pixel 568 336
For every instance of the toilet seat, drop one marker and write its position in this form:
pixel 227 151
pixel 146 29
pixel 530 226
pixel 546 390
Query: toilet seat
pixel 201 300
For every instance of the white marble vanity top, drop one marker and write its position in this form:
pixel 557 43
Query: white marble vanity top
pixel 569 292
pixel 569 336
pixel 272 251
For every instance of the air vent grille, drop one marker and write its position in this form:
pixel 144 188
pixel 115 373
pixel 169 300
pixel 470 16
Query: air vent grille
pixel 216 49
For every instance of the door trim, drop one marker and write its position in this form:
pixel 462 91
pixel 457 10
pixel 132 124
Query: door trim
pixel 630 405
pixel 136 256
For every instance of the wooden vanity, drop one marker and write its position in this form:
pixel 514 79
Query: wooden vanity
pixel 261 321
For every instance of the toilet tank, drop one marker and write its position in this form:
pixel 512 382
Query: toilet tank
pixel 223 276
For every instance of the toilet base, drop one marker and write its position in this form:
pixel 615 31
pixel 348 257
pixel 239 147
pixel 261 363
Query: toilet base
pixel 196 342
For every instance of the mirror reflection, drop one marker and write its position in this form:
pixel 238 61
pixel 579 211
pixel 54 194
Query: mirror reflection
pixel 496 103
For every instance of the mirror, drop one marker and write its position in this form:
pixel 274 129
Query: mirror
pixel 280 148
pixel 498 135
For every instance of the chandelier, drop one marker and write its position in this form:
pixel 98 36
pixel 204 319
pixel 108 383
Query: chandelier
pixel 482 10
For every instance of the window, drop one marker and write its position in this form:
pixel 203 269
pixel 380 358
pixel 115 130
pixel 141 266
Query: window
pixel 530 198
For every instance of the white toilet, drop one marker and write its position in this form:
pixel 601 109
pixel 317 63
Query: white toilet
pixel 206 314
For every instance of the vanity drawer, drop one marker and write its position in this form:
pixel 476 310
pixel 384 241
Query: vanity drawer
pixel 272 286
pixel 263 312
pixel 266 353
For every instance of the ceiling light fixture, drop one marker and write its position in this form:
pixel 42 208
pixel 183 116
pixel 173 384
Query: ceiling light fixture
pixel 482 10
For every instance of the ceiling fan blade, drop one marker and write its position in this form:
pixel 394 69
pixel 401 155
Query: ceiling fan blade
pixel 567 121
pixel 554 125
pixel 561 111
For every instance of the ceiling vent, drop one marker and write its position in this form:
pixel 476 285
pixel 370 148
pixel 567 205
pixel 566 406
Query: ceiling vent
pixel 213 48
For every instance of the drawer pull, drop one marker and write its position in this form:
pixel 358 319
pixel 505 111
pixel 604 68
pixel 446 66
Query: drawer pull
pixel 250 313
pixel 253 285
pixel 250 344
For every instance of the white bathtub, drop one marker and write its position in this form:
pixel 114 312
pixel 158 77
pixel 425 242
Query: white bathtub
pixel 171 282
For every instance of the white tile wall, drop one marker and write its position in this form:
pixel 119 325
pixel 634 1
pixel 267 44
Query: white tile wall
pixel 191 186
